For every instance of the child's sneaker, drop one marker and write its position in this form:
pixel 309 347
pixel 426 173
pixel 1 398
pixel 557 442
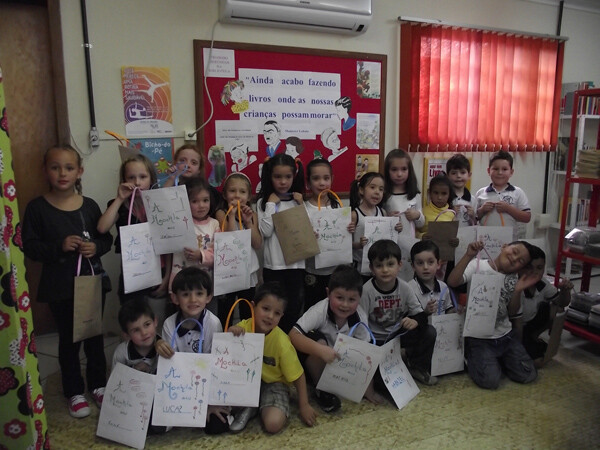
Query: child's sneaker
pixel 328 402
pixel 98 396
pixel 422 376
pixel 78 407
pixel 241 419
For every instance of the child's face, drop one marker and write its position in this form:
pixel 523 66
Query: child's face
pixel 512 258
pixel 372 193
pixel 500 172
pixel 189 158
pixel 385 271
pixel 62 169
pixel 343 302
pixel 538 267
pixel 142 331
pixel 320 179
pixel 237 189
pixel 267 313
pixel 459 177
pixel 439 195
pixel 399 171
pixel 282 178
pixel 200 205
pixel 137 174
pixel 191 302
pixel 425 265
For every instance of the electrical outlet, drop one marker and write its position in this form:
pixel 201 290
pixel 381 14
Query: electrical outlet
pixel 189 135
pixel 94 138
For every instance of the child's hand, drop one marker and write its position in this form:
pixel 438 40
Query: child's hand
pixel 351 227
pixel 408 324
pixel 163 349
pixel 221 412
pixel 124 190
pixel 71 243
pixel 398 226
pixel 364 241
pixel 412 214
pixel 565 284
pixel 192 254
pixel 470 212
pixel 87 249
pixel 297 196
pixel 526 280
pixel 308 414
pixel 247 216
pixel 143 367
pixel 453 242
pixel 486 207
pixel 474 248
pixel 328 354
pixel 503 207
pixel 431 306
pixel 273 198
pixel 236 330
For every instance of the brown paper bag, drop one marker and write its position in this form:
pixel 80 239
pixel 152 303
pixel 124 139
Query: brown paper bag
pixel 441 233
pixel 87 308
pixel 295 234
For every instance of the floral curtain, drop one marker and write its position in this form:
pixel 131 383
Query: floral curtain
pixel 22 417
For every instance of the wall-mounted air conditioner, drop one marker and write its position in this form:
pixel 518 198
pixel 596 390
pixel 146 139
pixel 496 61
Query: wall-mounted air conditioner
pixel 335 16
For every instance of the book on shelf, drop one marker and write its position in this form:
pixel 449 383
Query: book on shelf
pixel 567 97
pixel 579 207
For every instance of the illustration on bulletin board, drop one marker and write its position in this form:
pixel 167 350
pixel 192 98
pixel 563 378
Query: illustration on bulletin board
pixel 233 91
pixel 300 102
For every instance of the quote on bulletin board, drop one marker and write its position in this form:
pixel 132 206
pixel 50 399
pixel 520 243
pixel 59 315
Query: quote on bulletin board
pixel 260 100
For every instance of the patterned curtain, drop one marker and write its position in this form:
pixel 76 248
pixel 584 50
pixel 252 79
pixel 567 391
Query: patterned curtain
pixel 22 417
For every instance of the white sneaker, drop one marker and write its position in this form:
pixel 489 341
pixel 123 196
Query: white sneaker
pixel 79 407
pixel 241 419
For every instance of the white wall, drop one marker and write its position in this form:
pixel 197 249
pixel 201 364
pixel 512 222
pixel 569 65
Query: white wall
pixel 160 33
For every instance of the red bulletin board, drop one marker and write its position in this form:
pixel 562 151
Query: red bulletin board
pixel 297 88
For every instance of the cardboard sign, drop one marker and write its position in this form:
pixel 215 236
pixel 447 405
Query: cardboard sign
pixel 170 219
pixel 295 234
pixel 350 375
pixel 482 304
pixel 335 242
pixel 441 233
pixel 395 374
pixel 141 266
pixel 182 390
pixel 237 369
pixel 233 258
pixel 376 229
pixel 125 413
pixel 448 353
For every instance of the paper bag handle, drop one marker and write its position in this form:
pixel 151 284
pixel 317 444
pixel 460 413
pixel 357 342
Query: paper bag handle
pixel 201 333
pixel 233 308
pixel 131 204
pixel 487 216
pixel 79 265
pixel 239 216
pixel 444 212
pixel 331 192
pixel 351 332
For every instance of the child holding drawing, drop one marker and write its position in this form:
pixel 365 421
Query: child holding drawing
pixel 281 366
pixel 488 357
pixel 191 293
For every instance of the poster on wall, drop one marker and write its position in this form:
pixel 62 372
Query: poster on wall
pixel 306 103
pixel 147 101
pixel 158 150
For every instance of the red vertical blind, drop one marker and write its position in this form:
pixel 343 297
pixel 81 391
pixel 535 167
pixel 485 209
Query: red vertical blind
pixel 464 89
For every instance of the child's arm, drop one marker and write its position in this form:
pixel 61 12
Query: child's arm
pixel 516 213
pixel 111 214
pixel 236 330
pixel 250 220
pixel 455 278
pixel 307 413
pixel 265 218
pixel 310 347
pixel 220 412
pixel 163 288
pixel 564 292
pixel 526 280
pixel 163 348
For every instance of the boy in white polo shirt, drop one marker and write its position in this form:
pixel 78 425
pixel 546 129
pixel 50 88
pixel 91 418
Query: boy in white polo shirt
pixel 501 203
pixel 315 333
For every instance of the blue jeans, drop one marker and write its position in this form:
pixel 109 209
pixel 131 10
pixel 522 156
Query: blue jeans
pixel 488 358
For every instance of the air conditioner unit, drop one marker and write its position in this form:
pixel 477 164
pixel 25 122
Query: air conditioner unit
pixel 335 16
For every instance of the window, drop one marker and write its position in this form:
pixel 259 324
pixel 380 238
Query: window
pixel 464 89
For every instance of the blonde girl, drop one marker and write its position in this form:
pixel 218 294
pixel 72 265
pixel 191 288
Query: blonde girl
pixel 402 196
pixel 136 173
pixel 59 228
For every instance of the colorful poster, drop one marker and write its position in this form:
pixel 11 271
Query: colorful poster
pixel 147 101
pixel 366 162
pixel 159 151
pixel 367 131
pixel 368 79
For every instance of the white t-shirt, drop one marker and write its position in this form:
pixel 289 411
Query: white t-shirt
pixel 400 203
pixel 190 340
pixel 464 220
pixel 126 353
pixel 424 294
pixel 512 195
pixel 543 292
pixel 503 325
pixel 273 255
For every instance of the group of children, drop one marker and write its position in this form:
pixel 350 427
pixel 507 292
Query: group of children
pixel 299 308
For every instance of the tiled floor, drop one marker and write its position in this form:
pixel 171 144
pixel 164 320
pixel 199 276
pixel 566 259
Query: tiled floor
pixel 47 345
